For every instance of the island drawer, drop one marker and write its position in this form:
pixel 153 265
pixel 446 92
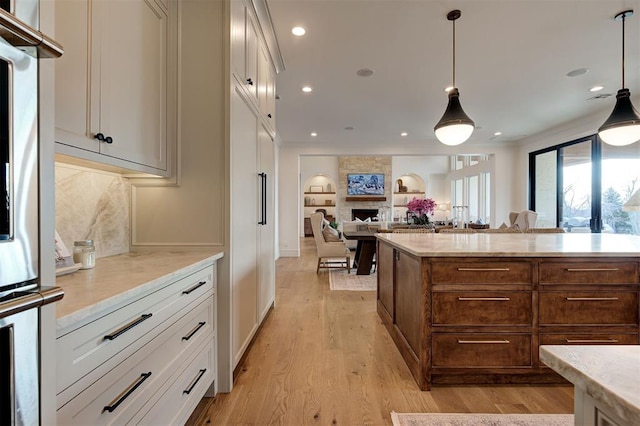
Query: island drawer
pixel 488 272
pixel 595 308
pixel 589 339
pixel 481 350
pixel 588 273
pixel 103 342
pixel 482 308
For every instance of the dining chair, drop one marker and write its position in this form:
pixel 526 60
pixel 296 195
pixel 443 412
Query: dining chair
pixel 328 251
pixel 457 231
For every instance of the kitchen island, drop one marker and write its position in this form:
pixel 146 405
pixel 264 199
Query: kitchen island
pixel 605 378
pixel 475 308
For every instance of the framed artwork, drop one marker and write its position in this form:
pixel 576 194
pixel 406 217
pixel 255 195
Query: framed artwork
pixel 314 188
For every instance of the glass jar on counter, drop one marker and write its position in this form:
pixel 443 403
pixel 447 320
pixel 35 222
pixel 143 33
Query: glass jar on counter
pixel 84 251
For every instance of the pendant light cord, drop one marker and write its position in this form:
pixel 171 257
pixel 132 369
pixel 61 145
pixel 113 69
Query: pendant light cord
pixel 623 19
pixel 454 54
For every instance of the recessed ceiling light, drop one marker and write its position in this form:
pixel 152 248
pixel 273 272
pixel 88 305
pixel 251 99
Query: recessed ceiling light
pixel 497 133
pixel 404 134
pixel 307 89
pixel 314 134
pixel 298 31
pixel 364 72
pixel 448 89
pixel 577 72
pixel 596 88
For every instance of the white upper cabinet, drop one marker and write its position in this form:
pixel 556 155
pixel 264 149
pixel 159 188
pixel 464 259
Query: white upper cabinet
pixel 112 83
pixel 251 63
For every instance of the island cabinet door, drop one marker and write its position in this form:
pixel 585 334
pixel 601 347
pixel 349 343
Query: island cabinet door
pixel 384 259
pixel 409 304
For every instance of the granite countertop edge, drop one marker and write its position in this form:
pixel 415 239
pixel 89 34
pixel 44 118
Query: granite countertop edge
pixel 71 320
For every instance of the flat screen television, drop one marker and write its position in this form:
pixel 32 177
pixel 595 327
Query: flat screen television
pixel 365 184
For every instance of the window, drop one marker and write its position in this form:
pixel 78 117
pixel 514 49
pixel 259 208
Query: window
pixel 583 185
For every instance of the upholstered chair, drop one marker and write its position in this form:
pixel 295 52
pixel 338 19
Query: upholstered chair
pixel 524 220
pixel 457 231
pixel 329 251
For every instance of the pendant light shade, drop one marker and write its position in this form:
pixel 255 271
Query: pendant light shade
pixel 455 126
pixel 623 125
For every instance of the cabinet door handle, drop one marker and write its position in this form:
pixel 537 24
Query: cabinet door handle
pixel 491 299
pixel 102 138
pixel 128 391
pixel 591 340
pixel 128 327
pixel 195 382
pixel 108 139
pixel 269 115
pixel 483 269
pixel 194 331
pixel 590 299
pixel 489 342
pixel 592 269
pixel 195 287
pixel 250 82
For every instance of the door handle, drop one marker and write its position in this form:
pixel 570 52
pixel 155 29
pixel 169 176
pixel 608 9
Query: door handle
pixel 263 198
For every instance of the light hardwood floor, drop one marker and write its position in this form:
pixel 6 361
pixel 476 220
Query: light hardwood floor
pixel 323 357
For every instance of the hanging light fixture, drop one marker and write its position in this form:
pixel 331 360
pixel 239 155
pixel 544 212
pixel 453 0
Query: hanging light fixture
pixel 623 125
pixel 455 126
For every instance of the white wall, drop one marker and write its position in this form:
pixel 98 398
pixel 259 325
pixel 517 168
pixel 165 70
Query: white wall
pixel 504 199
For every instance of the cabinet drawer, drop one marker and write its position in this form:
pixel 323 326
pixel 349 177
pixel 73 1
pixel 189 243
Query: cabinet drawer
pixel 588 339
pixel 482 308
pixel 597 308
pixel 481 272
pixel 589 273
pixel 481 350
pixel 132 383
pixel 100 343
pixel 181 397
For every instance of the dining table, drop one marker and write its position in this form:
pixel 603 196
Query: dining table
pixel 365 250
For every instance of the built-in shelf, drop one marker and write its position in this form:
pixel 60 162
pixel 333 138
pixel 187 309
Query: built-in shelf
pixel 319 205
pixel 366 198
pixel 320 193
pixel 399 205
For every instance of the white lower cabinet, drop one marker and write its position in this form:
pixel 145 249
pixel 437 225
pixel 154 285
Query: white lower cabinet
pixel 160 375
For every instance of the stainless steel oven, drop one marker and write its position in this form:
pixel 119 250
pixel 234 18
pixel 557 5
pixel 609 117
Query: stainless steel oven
pixel 21 47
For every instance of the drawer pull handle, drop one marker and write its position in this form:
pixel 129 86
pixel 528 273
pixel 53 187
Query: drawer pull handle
pixel 195 287
pixel 592 269
pixel 591 340
pixel 483 269
pixel 195 382
pixel 487 299
pixel 128 391
pixel 590 299
pixel 128 327
pixel 490 342
pixel 194 331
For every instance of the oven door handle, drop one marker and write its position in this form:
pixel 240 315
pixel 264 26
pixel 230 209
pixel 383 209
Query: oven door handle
pixel 22 36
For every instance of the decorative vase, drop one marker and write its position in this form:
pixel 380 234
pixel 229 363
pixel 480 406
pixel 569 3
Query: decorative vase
pixel 307 201
pixel 328 187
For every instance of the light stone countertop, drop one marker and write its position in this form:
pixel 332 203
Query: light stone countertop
pixel 516 245
pixel 609 374
pixel 118 278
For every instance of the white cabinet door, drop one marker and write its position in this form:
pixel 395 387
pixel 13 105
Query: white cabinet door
pixel 251 66
pixel 133 83
pixel 238 37
pixel 266 255
pixel 113 81
pixel 244 225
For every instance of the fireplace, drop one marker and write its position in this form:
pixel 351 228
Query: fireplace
pixel 363 214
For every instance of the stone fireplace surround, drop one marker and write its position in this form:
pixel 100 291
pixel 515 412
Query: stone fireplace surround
pixel 361 164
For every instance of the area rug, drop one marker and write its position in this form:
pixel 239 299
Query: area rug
pixel 448 419
pixel 340 280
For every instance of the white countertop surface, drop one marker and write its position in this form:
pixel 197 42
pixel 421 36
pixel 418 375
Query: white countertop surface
pixel 609 374
pixel 117 278
pixel 516 245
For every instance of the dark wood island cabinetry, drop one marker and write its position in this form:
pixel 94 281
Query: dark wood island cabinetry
pixel 475 308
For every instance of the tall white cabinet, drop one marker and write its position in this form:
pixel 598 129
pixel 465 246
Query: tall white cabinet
pixel 252 169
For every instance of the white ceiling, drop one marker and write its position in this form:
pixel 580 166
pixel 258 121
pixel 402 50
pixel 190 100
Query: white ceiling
pixel 512 57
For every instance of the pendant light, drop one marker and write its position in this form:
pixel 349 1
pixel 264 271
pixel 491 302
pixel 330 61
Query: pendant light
pixel 623 125
pixel 455 126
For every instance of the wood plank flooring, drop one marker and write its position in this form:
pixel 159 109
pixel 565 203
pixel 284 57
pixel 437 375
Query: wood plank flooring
pixel 324 358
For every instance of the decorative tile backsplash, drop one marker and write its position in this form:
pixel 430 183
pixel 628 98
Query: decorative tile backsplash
pixel 92 205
